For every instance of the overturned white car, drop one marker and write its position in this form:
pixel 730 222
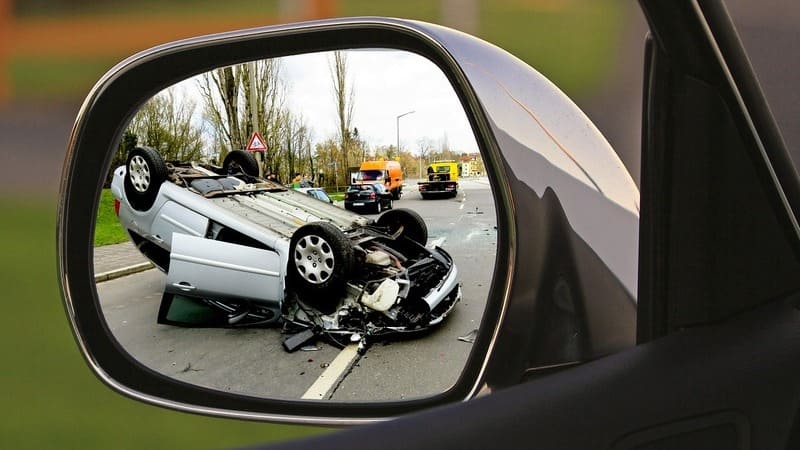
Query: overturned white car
pixel 257 253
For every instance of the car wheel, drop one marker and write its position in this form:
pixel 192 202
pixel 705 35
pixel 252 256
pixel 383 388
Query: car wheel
pixel 407 223
pixel 240 161
pixel 391 204
pixel 378 207
pixel 145 171
pixel 396 194
pixel 320 262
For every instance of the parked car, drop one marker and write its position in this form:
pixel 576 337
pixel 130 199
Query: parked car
pixel 317 193
pixel 367 197
pixel 263 254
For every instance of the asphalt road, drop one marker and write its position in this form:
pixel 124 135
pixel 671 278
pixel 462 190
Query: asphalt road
pixel 252 361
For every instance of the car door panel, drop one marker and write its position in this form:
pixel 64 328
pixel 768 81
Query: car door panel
pixel 174 218
pixel 205 268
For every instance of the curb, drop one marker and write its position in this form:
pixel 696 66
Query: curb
pixel 117 273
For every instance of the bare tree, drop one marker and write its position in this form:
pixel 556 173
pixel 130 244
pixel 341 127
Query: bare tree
pixel 227 96
pixel 272 115
pixel 127 142
pixel 327 155
pixel 220 90
pixel 298 146
pixel 344 98
pixel 425 148
pixel 165 123
pixel 385 152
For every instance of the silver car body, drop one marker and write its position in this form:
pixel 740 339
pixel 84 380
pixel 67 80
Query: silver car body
pixel 185 224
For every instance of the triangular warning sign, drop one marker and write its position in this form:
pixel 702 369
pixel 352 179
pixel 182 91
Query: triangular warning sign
pixel 256 143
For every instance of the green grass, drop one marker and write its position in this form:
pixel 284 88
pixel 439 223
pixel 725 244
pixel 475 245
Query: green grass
pixel 183 8
pixel 108 229
pixel 425 10
pixel 336 196
pixel 50 398
pixel 572 43
pixel 50 77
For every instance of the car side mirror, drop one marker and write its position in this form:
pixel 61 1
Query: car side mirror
pixel 560 285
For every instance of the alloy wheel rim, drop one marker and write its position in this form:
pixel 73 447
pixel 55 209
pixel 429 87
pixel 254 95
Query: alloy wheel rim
pixel 314 259
pixel 139 173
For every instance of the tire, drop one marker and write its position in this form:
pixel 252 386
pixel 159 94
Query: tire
pixel 424 196
pixel 391 204
pixel 378 207
pixel 240 161
pixel 320 263
pixel 413 226
pixel 396 194
pixel 145 171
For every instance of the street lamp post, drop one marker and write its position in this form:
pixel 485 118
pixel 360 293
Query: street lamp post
pixel 398 128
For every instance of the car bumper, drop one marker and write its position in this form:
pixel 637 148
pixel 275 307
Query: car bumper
pixel 359 204
pixel 446 288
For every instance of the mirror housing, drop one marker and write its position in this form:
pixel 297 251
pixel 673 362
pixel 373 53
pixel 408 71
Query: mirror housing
pixel 565 276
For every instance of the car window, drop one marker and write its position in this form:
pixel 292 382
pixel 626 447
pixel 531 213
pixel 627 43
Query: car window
pixel 321 195
pixel 371 175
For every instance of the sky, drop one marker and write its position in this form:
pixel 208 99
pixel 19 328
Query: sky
pixel 386 84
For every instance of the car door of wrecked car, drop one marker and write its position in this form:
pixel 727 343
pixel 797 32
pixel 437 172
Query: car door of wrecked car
pixel 207 269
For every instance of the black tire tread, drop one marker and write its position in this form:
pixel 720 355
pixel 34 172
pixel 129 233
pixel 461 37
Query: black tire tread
pixel 143 201
pixel 414 226
pixel 321 295
pixel 244 159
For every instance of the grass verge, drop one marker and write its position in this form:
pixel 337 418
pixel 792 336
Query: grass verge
pixel 108 229
pixel 573 43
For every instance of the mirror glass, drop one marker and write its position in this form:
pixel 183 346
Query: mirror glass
pixel 317 226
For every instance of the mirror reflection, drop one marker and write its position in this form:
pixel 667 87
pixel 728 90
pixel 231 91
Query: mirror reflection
pixel 317 226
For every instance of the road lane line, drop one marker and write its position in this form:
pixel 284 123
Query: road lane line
pixel 319 390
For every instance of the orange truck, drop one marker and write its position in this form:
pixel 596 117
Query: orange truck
pixel 388 173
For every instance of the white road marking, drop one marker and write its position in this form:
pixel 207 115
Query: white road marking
pixel 438 242
pixel 472 234
pixel 462 205
pixel 319 390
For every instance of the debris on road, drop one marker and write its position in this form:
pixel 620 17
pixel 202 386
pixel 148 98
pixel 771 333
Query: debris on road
pixel 469 337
